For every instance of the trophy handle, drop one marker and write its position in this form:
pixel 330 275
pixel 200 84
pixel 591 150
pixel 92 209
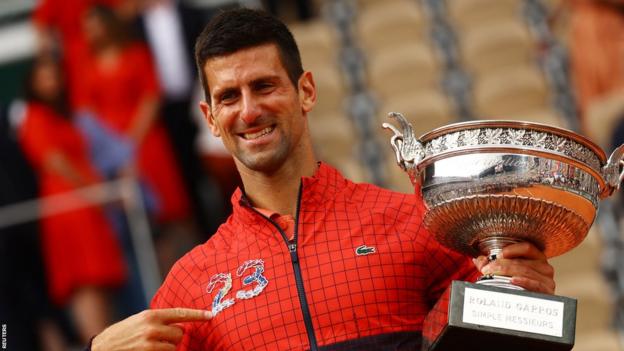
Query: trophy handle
pixel 409 151
pixel 613 171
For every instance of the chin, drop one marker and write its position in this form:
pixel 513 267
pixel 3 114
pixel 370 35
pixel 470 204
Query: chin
pixel 265 163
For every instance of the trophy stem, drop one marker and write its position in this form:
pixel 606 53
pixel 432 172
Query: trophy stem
pixel 493 246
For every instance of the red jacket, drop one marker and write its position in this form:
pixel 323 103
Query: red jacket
pixel 360 273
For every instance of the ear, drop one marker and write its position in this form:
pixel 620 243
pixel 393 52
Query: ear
pixel 207 112
pixel 307 92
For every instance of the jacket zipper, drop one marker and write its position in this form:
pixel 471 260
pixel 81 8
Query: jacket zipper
pixel 294 258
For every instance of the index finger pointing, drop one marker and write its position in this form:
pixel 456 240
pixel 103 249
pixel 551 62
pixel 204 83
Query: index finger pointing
pixel 177 315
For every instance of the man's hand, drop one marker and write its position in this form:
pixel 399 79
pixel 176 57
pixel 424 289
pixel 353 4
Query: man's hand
pixel 148 330
pixel 525 264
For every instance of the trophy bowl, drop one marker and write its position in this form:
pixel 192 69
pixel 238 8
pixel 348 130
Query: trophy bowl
pixel 487 184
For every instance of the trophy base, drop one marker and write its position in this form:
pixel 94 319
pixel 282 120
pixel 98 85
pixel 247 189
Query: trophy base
pixel 476 317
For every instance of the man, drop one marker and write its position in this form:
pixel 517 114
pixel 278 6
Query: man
pixel 308 259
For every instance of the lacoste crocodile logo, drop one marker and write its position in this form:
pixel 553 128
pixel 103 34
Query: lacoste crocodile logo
pixel 364 250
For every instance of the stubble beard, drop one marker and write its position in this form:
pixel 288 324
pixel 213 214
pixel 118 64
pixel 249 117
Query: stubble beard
pixel 266 161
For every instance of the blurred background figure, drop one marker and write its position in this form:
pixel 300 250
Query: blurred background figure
pixel 58 25
pixel 81 253
pixel 24 302
pixel 597 53
pixel 120 87
pixel 170 28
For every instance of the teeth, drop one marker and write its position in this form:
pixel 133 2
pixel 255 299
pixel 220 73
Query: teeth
pixel 265 131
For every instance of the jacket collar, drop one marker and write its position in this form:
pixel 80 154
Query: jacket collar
pixel 324 184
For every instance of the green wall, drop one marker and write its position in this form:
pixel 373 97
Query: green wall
pixel 11 79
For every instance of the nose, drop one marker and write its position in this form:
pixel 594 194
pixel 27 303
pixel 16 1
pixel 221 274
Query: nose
pixel 250 109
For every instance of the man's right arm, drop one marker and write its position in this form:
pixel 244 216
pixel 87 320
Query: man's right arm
pixel 148 330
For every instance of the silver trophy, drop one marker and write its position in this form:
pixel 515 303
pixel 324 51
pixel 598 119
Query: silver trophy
pixel 487 184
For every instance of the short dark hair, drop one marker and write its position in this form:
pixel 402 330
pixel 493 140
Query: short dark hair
pixel 241 28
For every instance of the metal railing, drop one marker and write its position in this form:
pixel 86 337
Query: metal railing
pixel 124 190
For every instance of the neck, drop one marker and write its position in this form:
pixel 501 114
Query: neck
pixel 279 190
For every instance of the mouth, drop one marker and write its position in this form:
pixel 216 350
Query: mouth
pixel 257 134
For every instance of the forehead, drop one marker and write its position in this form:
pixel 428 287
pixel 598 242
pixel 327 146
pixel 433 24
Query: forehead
pixel 244 65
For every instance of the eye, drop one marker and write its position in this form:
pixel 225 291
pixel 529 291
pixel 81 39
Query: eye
pixel 264 87
pixel 228 97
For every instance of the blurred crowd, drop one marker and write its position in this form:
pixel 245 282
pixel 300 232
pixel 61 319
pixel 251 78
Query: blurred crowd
pixel 596 46
pixel 111 94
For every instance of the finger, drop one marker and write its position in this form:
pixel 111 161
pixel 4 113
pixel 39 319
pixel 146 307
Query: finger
pixel 162 346
pixel 523 250
pixel 532 275
pixel 177 315
pixel 518 266
pixel 546 287
pixel 169 333
pixel 148 345
pixel 480 262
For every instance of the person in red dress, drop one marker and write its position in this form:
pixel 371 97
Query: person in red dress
pixel 58 26
pixel 81 252
pixel 121 88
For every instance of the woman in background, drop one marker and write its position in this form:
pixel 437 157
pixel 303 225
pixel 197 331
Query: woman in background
pixel 121 88
pixel 81 253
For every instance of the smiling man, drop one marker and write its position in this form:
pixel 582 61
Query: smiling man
pixel 308 260
pixel 260 112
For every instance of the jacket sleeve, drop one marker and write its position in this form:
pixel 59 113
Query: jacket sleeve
pixel 166 297
pixel 445 265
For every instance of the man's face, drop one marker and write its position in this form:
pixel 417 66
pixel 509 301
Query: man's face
pixel 255 109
